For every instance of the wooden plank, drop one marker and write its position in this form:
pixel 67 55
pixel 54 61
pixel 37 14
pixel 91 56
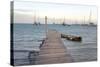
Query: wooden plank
pixel 53 50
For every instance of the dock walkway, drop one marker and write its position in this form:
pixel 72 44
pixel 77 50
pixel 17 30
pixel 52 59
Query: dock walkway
pixel 53 50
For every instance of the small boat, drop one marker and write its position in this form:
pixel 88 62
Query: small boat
pixel 71 37
pixel 35 23
pixel 63 24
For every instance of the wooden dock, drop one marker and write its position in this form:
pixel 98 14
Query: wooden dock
pixel 53 50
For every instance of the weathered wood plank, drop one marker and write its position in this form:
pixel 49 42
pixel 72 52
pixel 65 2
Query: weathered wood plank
pixel 53 50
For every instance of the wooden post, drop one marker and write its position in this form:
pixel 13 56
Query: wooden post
pixel 46 29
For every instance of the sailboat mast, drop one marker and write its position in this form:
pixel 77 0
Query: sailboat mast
pixel 84 20
pixel 34 16
pixel 64 20
pixel 90 17
pixel 54 20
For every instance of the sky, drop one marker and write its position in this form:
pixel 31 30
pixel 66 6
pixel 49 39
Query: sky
pixel 28 12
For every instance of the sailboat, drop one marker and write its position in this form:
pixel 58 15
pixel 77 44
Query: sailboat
pixel 90 22
pixel 63 24
pixel 84 24
pixel 35 23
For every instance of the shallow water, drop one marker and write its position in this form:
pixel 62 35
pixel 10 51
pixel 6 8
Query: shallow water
pixel 28 37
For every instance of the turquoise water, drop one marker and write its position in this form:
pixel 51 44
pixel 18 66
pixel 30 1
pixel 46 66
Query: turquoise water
pixel 28 37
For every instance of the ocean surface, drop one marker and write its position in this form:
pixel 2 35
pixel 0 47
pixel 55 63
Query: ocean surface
pixel 28 37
